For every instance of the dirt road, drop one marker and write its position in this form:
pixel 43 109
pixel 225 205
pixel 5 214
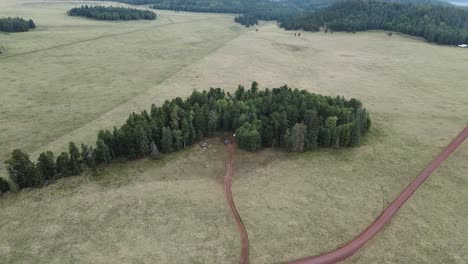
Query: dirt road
pixel 244 258
pixel 351 247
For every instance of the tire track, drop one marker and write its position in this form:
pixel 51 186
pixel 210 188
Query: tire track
pixel 100 37
pixel 244 257
pixel 353 246
pixel 35 152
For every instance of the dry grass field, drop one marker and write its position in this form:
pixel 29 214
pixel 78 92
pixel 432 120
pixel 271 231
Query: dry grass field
pixel 73 71
pixel 73 76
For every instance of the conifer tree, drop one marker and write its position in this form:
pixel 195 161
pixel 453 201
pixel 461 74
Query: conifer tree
pixel 23 172
pixel 75 161
pixel 88 157
pixel 312 122
pixel 31 23
pixel 46 165
pixel 178 140
pixel 167 144
pixel 102 152
pixel 63 165
pixel 345 135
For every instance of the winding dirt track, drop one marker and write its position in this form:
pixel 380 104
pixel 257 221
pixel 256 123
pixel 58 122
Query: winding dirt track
pixel 353 246
pixel 244 258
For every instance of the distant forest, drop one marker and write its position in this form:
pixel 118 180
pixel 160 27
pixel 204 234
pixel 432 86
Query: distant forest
pixel 250 11
pixel 436 23
pixel 111 13
pixel 293 119
pixel 253 10
pixel 16 24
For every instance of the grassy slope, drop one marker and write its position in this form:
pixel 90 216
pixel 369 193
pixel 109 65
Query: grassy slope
pixel 292 205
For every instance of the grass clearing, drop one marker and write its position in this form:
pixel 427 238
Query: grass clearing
pixel 72 71
pixel 172 211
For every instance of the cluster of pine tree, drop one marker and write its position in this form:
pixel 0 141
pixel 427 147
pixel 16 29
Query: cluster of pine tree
pixel 111 13
pixel 246 20
pixel 16 24
pixel 442 24
pixel 25 173
pixel 284 117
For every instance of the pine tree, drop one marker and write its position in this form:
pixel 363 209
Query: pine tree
pixel 46 165
pixel 102 152
pixel 325 137
pixel 167 140
pixel 187 132
pixel 31 24
pixel 75 161
pixel 345 135
pixel 212 123
pixel 107 137
pixel 178 140
pixel 142 140
pixel 248 137
pixel 63 165
pixel 23 172
pixel 312 122
pixel 88 157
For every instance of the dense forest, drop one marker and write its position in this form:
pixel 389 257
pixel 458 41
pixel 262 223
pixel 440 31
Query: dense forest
pixel 16 24
pixel 112 13
pixel 282 117
pixel 441 24
pixel 253 10
pixel 250 11
pixel 246 20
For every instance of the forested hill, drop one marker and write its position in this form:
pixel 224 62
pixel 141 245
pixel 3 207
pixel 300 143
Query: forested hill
pixel 436 23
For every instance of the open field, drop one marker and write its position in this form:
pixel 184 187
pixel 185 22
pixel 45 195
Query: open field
pixel 72 71
pixel 73 76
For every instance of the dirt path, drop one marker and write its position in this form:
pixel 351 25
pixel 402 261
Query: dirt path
pixel 171 23
pixel 351 247
pixel 244 258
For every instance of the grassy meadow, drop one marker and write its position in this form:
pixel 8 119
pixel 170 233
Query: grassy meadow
pixel 73 76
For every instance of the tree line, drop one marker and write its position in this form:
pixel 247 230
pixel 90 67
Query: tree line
pixel 16 24
pixel 250 11
pixel 442 24
pixel 293 119
pixel 246 20
pixel 111 13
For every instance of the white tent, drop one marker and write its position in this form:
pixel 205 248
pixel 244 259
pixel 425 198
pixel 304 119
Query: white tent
pixel 463 46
